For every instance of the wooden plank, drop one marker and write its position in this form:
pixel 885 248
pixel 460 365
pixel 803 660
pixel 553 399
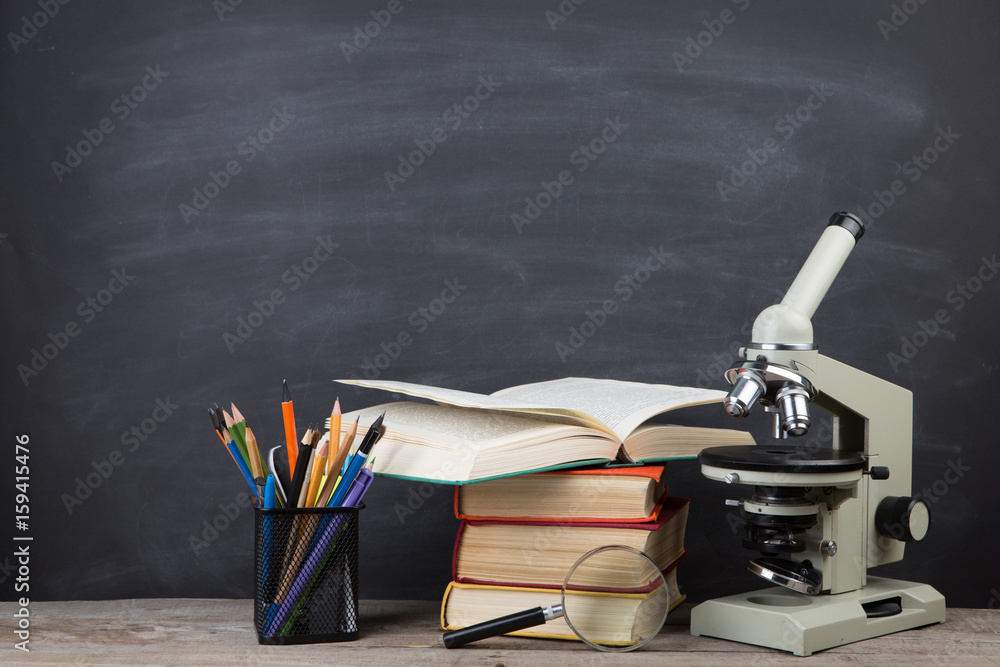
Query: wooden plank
pixel 219 632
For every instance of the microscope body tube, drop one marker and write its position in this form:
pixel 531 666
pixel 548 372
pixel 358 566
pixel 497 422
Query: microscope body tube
pixel 789 322
pixel 821 268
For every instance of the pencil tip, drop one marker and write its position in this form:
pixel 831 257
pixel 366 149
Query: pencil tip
pixel 286 397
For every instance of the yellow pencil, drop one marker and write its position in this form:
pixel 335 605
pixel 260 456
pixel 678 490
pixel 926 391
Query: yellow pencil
pixel 319 465
pixel 335 418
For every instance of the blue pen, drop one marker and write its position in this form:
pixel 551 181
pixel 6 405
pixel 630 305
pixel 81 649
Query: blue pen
pixel 231 446
pixel 271 565
pixel 270 494
pixel 357 463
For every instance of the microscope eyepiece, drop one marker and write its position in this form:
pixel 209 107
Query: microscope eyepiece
pixel 848 221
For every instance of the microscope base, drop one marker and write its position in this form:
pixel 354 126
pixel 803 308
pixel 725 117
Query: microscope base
pixel 789 621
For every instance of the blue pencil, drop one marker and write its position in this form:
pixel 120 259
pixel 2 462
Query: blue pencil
pixel 231 446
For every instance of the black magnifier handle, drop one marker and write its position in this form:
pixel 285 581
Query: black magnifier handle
pixel 502 625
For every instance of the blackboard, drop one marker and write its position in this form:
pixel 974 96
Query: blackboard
pixel 203 198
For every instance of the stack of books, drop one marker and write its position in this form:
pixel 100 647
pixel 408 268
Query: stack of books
pixel 531 494
pixel 520 537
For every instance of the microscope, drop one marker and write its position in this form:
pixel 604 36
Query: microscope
pixel 820 514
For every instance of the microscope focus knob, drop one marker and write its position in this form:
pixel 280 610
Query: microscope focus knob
pixel 903 518
pixel 879 472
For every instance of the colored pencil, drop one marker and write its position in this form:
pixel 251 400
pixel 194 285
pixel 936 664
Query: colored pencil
pixel 288 417
pixel 333 469
pixel 335 418
pixel 319 467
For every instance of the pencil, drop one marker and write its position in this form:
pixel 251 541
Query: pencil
pixel 333 469
pixel 348 442
pixel 288 416
pixel 335 418
pixel 217 424
pixel 236 431
pixel 255 466
pixel 319 466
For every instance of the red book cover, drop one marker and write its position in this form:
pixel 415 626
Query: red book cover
pixel 671 506
pixel 650 472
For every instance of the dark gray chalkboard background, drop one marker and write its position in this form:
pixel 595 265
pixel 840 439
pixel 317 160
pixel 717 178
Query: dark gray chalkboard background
pixel 879 96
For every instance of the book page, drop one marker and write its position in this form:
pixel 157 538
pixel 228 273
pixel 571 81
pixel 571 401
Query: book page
pixel 465 399
pixel 614 406
pixel 452 444
pixel 455 427
pixel 620 405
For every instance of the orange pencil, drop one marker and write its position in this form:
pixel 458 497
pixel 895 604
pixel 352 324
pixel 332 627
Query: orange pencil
pixel 288 416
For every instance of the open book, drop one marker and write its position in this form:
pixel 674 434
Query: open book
pixel 470 437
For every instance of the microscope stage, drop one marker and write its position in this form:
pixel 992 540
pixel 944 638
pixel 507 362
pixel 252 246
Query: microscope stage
pixel 781 466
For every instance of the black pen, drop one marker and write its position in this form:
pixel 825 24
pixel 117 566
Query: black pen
pixel 301 464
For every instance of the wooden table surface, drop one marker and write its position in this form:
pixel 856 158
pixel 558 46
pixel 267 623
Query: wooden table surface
pixel 219 632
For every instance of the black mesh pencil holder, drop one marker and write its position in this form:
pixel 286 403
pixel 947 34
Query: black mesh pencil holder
pixel 306 575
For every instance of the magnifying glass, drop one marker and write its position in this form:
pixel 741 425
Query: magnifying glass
pixel 614 598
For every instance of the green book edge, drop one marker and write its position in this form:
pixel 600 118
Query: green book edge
pixel 561 466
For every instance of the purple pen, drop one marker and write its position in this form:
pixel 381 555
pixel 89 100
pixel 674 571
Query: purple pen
pixel 358 488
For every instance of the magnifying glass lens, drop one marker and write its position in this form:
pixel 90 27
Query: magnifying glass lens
pixel 615 598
